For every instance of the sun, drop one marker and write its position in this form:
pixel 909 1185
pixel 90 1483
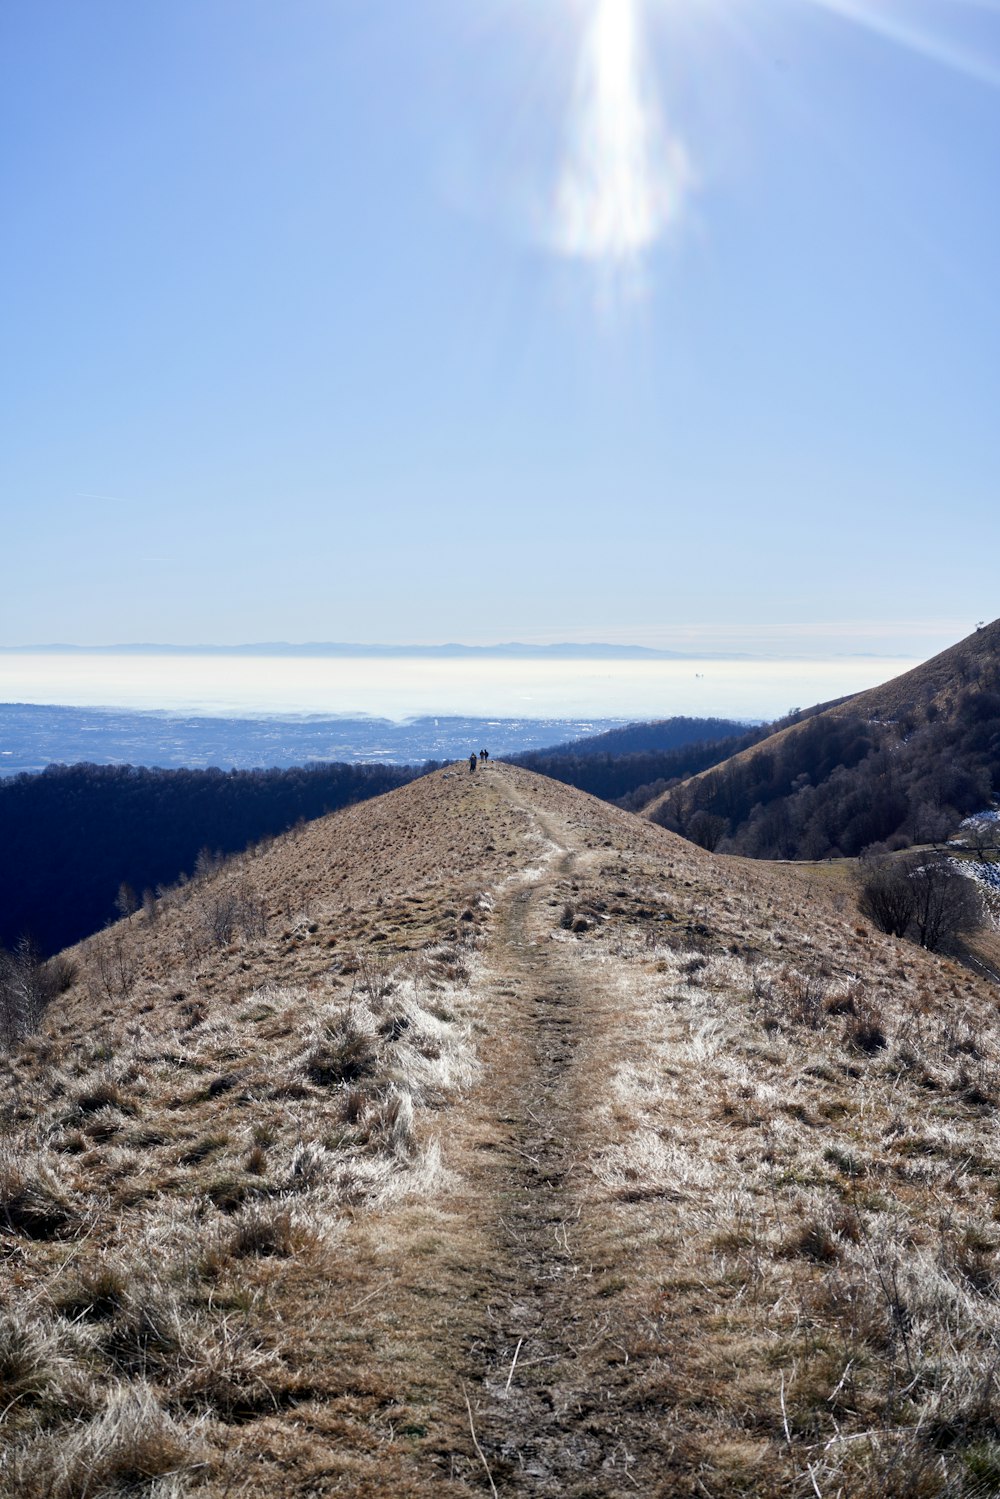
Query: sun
pixel 625 175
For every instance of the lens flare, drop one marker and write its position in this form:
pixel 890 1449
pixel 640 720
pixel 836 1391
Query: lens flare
pixel 912 38
pixel 626 177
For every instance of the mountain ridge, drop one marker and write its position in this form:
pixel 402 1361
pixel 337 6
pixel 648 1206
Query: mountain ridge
pixel 486 1135
pixel 595 650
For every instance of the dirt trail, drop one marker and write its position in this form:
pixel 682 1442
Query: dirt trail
pixel 545 1425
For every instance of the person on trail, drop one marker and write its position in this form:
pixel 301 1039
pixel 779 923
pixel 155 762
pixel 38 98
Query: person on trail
pixel 484 755
pixel 472 762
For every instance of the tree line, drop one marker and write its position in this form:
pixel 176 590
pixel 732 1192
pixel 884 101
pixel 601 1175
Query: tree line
pixel 632 777
pixel 657 736
pixel 73 836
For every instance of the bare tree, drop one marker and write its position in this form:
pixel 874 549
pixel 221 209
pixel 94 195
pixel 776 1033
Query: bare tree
pixel 26 986
pixel 126 903
pixel 923 896
pixel 115 964
pixel 886 895
pixel 707 829
pixel 983 834
pixel 947 904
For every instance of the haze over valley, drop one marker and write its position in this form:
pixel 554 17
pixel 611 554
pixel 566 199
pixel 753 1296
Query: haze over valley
pixel 401 687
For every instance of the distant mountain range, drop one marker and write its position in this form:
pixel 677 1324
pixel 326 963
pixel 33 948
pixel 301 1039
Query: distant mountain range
pixel 595 651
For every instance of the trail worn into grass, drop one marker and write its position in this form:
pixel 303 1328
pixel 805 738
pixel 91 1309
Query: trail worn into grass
pixel 546 1408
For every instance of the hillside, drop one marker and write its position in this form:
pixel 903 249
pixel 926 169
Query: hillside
pixel 73 835
pixel 899 764
pixel 652 737
pixel 485 1138
pixel 631 766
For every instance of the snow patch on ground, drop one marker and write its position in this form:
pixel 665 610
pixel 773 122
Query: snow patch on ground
pixel 983 871
pixel 978 818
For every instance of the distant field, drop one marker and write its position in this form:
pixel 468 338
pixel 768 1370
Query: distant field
pixel 32 737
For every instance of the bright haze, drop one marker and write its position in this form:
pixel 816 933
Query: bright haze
pixel 670 322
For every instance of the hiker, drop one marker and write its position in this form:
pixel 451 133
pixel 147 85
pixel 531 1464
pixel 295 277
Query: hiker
pixel 472 762
pixel 484 755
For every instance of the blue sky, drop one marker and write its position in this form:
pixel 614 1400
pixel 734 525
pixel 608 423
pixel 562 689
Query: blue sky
pixel 648 320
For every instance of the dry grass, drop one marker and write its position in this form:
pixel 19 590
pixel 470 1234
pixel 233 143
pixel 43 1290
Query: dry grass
pixel 257 1177
pixel 200 1154
pixel 801 1151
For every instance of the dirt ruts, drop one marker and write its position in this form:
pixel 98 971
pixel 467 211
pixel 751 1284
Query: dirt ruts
pixel 544 1415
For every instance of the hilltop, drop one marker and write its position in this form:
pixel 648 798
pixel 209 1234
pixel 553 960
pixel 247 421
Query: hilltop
pixel 902 763
pixel 487 1138
pixel 80 841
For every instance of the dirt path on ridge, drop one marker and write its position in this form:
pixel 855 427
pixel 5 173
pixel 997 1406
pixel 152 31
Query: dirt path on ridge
pixel 545 1409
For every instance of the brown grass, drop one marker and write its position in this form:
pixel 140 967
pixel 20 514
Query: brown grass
pixel 722 1159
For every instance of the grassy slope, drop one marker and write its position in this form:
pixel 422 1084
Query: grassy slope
pixel 723 1161
pixel 933 682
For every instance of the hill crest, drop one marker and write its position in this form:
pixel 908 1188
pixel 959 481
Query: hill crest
pixel 487 1127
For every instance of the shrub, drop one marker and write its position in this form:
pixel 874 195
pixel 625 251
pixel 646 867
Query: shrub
pixel 922 896
pixel 886 895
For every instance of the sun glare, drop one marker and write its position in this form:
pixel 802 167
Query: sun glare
pixel 625 175
pixel 892 25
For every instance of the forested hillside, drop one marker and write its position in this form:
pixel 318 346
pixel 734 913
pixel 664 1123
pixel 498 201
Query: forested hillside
pixel 71 836
pixel 898 765
pixel 655 737
pixel 633 765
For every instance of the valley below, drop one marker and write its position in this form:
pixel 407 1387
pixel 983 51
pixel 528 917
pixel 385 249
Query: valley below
pixel 33 736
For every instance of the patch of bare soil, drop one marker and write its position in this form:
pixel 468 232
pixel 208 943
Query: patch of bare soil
pixel 549 1423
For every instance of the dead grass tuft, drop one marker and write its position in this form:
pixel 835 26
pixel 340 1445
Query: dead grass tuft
pixel 35 1200
pixel 28 1358
pixel 131 1442
pixel 267 1229
pixel 97 1290
pixel 864 1031
pixel 344 1048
